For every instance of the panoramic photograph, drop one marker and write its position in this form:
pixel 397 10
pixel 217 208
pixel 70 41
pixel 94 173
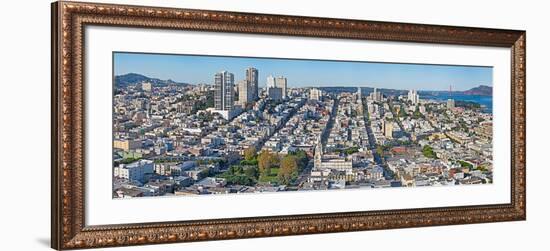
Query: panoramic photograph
pixel 204 125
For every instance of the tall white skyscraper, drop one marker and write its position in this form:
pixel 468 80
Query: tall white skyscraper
pixel 270 82
pixel 280 82
pixel 413 97
pixel 315 94
pixel 245 93
pixel 359 102
pixel 223 91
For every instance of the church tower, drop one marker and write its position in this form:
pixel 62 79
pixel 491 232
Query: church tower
pixel 318 155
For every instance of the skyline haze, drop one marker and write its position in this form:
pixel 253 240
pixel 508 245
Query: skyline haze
pixel 196 69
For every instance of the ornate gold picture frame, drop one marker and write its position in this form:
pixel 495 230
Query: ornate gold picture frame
pixel 69 230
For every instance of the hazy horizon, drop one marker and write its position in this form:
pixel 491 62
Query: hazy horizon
pixel 195 69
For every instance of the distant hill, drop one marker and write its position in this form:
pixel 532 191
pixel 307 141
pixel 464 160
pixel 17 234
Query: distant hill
pixel 481 90
pixel 134 78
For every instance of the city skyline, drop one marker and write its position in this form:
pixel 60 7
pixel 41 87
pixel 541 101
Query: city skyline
pixel 196 69
pixel 231 137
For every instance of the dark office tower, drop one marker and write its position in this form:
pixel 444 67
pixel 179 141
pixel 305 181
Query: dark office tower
pixel 252 79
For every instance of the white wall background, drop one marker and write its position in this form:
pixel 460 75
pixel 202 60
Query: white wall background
pixel 25 124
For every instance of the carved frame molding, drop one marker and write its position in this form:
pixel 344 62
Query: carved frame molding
pixel 68 22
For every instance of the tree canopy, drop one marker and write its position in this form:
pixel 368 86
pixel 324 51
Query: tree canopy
pixel 266 160
pixel 428 152
pixel 250 153
pixel 289 169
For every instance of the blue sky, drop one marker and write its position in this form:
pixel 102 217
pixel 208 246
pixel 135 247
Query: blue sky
pixel 201 69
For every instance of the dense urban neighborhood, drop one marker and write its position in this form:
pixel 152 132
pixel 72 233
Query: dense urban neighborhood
pixel 231 136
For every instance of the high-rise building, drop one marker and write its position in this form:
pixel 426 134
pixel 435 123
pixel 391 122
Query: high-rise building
pixel 315 94
pixel 245 93
pixel 280 82
pixel 359 102
pixel 275 93
pixel 242 92
pixel 388 129
pixel 252 79
pixel 376 96
pixel 413 97
pixel 223 91
pixel 270 83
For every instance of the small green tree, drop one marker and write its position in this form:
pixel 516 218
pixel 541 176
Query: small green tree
pixel 301 159
pixel 428 152
pixel 380 150
pixel 252 172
